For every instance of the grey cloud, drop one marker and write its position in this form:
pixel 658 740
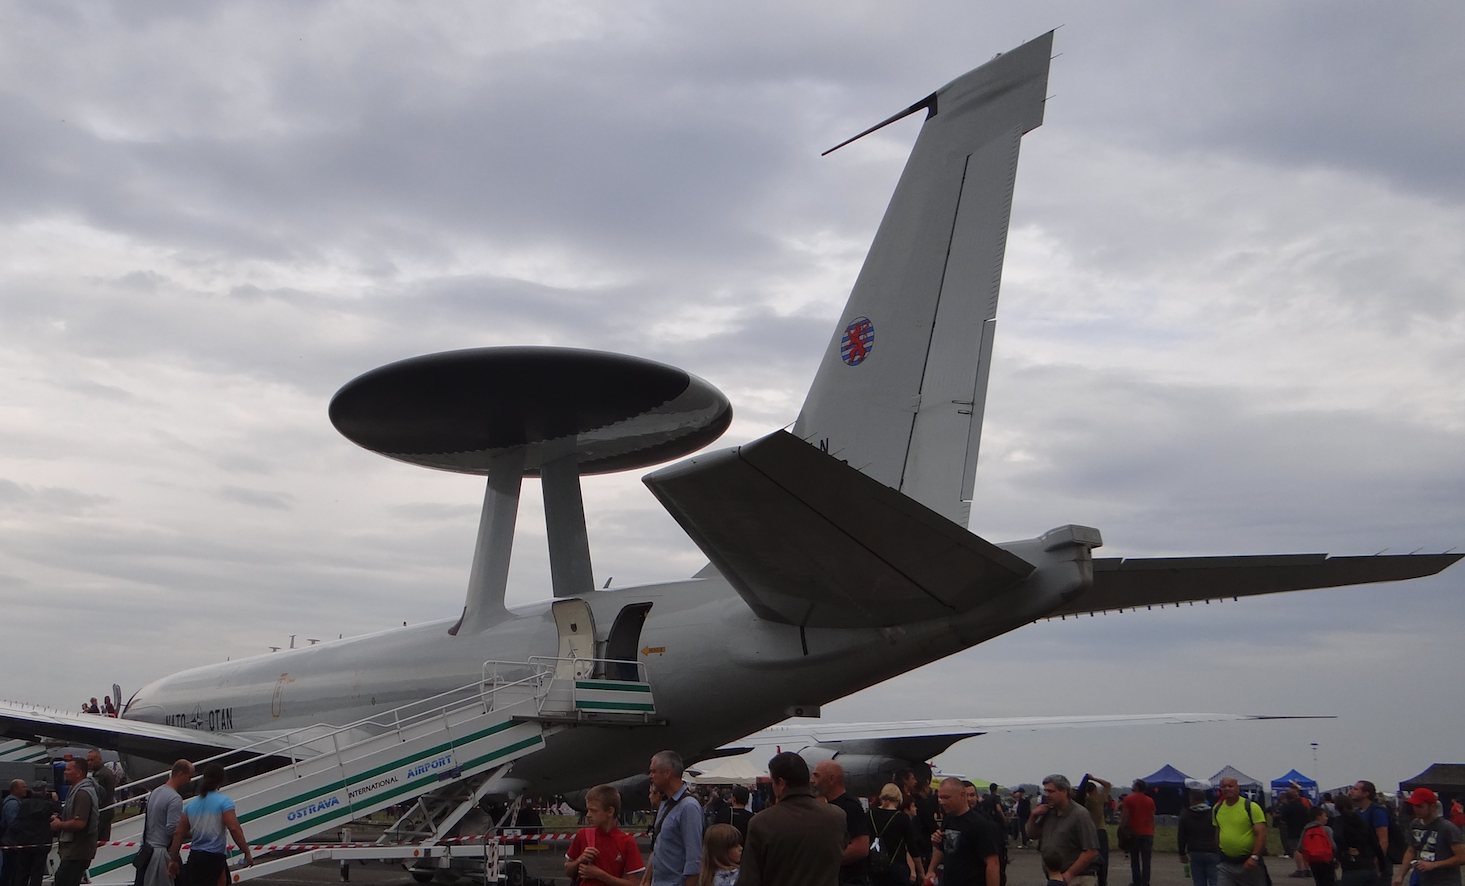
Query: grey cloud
pixel 255 498
pixel 244 464
pixel 94 389
pixel 1165 463
pixel 1351 86
pixel 49 499
pixel 435 511
pixel 142 281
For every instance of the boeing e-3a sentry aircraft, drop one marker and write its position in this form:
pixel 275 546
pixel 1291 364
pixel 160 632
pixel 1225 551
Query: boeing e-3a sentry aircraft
pixel 839 553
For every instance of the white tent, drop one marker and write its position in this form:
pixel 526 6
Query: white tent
pixel 1243 781
pixel 734 770
pixel 1250 787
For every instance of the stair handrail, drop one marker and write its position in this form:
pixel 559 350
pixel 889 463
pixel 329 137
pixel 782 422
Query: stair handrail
pixel 478 692
pixel 553 661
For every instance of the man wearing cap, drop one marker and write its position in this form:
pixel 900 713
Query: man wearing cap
pixel 1435 850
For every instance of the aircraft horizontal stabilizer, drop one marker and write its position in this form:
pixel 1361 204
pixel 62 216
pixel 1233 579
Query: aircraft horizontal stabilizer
pixel 1132 583
pixel 151 740
pixel 808 540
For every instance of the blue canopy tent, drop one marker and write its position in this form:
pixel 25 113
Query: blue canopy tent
pixel 1167 788
pixel 1307 785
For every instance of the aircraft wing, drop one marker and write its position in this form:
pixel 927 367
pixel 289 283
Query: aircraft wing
pixel 809 540
pixel 151 740
pixel 1133 583
pixel 813 732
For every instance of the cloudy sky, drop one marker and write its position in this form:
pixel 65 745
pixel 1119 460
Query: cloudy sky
pixel 1232 322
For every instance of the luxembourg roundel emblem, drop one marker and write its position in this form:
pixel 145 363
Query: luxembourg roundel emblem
pixel 858 341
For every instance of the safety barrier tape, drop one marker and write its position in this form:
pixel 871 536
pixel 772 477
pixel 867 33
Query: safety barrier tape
pixel 295 847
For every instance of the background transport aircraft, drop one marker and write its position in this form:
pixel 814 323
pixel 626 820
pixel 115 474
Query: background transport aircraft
pixel 839 553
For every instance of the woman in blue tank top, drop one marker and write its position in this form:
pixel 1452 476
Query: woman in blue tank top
pixel 209 820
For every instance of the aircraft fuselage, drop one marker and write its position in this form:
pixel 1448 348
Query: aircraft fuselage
pixel 717 671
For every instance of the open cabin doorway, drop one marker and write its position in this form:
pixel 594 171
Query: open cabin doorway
pixel 624 642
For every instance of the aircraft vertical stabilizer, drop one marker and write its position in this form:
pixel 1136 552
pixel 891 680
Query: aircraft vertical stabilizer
pixel 902 386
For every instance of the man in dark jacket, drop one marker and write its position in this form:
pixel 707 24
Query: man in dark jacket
pixel 1292 817
pixel 798 840
pixel 28 834
pixel 1020 813
pixel 1195 839
pixel 106 781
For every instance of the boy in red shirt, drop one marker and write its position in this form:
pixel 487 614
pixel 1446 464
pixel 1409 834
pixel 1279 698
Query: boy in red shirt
pixel 603 853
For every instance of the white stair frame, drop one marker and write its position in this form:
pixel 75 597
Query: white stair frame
pixel 336 775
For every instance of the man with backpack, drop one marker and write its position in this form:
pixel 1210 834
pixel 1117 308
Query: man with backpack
pixel 27 838
pixel 1365 799
pixel 1242 835
pixel 737 814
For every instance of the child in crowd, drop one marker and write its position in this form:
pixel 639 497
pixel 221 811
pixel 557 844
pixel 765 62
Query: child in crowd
pixel 603 853
pixel 1318 847
pixel 722 850
pixel 1053 867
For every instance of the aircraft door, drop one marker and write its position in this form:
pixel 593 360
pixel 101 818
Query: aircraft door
pixel 624 642
pixel 576 627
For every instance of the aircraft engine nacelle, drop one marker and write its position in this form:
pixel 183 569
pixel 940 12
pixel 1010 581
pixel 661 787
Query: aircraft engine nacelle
pixel 865 774
pixel 633 790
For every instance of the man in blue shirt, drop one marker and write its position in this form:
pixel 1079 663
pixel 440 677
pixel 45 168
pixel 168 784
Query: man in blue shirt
pixel 676 854
pixel 1365 799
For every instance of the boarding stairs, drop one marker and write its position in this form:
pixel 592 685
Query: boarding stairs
pixel 439 755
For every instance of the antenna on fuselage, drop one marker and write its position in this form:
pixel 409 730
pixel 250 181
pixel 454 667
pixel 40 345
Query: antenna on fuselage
pixel 555 413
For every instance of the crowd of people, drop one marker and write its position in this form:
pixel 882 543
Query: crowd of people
pixel 105 709
pixel 809 830
pixel 812 831
pixel 32 819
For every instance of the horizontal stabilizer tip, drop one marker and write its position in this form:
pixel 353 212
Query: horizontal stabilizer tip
pixel 1130 584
